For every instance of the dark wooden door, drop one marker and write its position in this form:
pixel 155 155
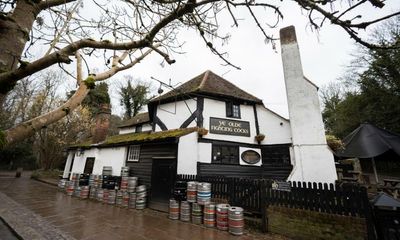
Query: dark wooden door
pixel 89 165
pixel 162 180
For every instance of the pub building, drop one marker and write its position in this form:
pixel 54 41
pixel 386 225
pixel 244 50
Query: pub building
pixel 209 126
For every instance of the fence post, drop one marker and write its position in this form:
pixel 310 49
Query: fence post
pixel 263 206
pixel 371 231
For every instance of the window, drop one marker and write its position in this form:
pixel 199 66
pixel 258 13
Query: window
pixel 225 154
pixel 133 153
pixel 232 110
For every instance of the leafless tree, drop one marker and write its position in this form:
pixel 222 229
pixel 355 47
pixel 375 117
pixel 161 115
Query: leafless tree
pixel 124 32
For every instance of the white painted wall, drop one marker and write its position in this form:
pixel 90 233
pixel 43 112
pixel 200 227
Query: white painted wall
pixel 217 109
pixel 275 128
pixel 114 157
pixel 242 149
pixel 204 153
pixel 175 113
pixel 145 127
pixel 311 158
pixel 188 154
pixel 68 163
pixel 80 161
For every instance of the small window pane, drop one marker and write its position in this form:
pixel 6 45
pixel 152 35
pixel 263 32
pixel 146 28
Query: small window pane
pixel 133 153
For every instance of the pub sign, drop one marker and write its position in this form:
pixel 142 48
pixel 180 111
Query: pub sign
pixel 229 127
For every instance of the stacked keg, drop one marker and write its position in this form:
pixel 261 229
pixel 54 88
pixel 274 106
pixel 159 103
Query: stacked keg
pixel 132 183
pixel 185 211
pixel 209 215
pixel 203 193
pixel 84 193
pixel 141 195
pixel 197 213
pixel 99 195
pixel 173 209
pixel 77 191
pixel 124 171
pixel 61 184
pixel 132 200
pixel 70 188
pixel 107 171
pixel 191 192
pixel 118 200
pixel 111 197
pixel 125 199
pixel 93 193
pixel 222 216
pixel 105 195
pixel 236 220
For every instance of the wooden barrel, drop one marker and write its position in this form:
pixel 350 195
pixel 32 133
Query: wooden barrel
pixel 84 192
pixel 132 200
pixel 125 199
pixel 124 171
pixel 209 215
pixel 197 213
pixel 222 216
pixel 203 193
pixel 191 192
pixel 105 195
pixel 124 183
pixel 132 184
pixel 100 193
pixel 107 170
pixel 141 191
pixel 118 199
pixel 70 188
pixel 185 211
pixel 140 203
pixel 173 209
pixel 236 220
pixel 111 197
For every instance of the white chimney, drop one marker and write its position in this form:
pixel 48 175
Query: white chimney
pixel 311 158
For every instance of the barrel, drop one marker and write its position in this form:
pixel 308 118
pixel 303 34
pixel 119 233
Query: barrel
pixel 132 184
pixel 222 216
pixel 125 199
pixel 107 170
pixel 203 193
pixel 124 183
pixel 111 197
pixel 141 191
pixel 132 200
pixel 118 200
pixel 197 213
pixel 98 181
pixel 173 209
pixel 92 193
pixel 124 171
pixel 140 203
pixel 77 191
pixel 185 211
pixel 84 192
pixel 91 180
pixel 105 195
pixel 70 188
pixel 75 177
pixel 191 192
pixel 61 184
pixel 100 193
pixel 209 215
pixel 236 220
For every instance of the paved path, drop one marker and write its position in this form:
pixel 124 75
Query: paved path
pixel 84 219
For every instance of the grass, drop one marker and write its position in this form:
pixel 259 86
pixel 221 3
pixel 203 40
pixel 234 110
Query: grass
pixel 40 173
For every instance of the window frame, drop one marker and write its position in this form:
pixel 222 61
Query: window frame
pixel 230 109
pixel 135 155
pixel 220 161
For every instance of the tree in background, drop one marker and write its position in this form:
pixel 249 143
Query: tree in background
pixel 133 96
pixel 125 32
pixel 374 79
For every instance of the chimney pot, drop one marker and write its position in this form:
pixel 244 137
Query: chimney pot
pixel 288 35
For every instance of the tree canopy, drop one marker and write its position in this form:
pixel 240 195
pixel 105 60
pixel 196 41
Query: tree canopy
pixel 125 32
pixel 374 96
pixel 133 97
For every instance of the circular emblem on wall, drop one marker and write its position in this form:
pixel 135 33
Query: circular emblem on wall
pixel 250 157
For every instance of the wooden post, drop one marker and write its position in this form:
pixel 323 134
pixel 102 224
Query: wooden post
pixel 375 172
pixel 263 203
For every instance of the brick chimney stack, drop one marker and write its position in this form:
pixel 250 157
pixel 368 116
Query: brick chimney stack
pixel 102 123
pixel 311 157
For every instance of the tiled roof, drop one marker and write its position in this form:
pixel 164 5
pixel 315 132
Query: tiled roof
pixel 209 83
pixel 138 119
pixel 139 137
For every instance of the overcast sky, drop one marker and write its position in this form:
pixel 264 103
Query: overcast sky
pixel 323 54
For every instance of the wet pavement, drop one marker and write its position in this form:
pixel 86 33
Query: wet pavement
pixel 85 219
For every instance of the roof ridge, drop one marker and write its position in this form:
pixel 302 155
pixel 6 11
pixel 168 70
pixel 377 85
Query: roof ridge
pixel 203 81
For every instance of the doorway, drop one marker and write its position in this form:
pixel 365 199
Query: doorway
pixel 162 179
pixel 89 165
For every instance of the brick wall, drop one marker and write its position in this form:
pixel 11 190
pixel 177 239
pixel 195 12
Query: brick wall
pixel 304 224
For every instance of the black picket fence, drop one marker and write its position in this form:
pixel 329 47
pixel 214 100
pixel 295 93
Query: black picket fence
pixel 254 195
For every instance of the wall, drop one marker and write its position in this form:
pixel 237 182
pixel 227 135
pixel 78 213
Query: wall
pixel 304 224
pixel 217 109
pixel 145 127
pixel 175 113
pixel 114 157
pixel 275 128
pixel 80 161
pixel 187 154
pixel 71 155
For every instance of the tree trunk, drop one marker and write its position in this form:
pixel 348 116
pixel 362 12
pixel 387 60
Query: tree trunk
pixel 28 128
